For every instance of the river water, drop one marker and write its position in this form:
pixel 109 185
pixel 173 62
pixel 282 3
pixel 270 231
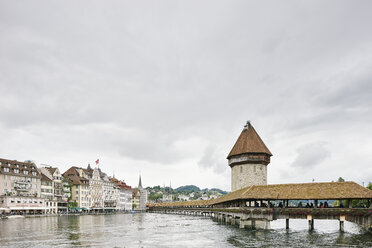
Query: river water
pixel 161 230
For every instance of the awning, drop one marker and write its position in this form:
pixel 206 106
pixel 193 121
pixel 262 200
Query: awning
pixel 27 208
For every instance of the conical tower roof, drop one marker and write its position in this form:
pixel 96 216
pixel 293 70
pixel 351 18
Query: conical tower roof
pixel 249 142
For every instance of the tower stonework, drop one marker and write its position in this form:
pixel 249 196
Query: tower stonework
pixel 248 160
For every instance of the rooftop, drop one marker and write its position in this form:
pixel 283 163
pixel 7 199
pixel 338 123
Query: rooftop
pixel 249 142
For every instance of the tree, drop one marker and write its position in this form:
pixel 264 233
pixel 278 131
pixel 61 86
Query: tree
pixel 369 186
pixel 155 196
pixel 340 179
pixel 362 203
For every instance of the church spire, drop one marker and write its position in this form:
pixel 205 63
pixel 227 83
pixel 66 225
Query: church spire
pixel 140 183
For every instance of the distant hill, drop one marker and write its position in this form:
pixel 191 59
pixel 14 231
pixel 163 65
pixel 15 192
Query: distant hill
pixel 193 188
pixel 185 190
pixel 190 188
pixel 219 191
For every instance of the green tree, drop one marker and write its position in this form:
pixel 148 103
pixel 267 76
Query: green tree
pixel 369 186
pixel 340 179
pixel 362 203
pixel 155 196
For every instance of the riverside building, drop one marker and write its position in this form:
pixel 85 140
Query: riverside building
pixel 51 206
pixel 20 187
pixel 80 193
pixel 109 197
pixel 125 195
pixel 56 179
pixel 96 191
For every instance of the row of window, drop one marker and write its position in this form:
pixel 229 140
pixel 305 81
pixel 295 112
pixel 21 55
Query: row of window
pixel 51 204
pixel 17 166
pixel 25 172
pixel 46 190
pixel 25 201
pixel 21 179
pixel 82 186
pixel 82 198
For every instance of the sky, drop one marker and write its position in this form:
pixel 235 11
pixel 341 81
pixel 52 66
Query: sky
pixel 164 88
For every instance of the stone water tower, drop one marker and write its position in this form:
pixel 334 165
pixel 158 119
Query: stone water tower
pixel 248 160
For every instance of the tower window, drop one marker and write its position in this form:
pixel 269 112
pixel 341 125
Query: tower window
pixel 241 169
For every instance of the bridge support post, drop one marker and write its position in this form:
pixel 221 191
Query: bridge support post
pixel 341 226
pixel 342 221
pixel 253 224
pixel 228 219
pixel 286 223
pixel 311 225
pixel 244 223
pixel 232 221
pixel 311 222
pixel 261 224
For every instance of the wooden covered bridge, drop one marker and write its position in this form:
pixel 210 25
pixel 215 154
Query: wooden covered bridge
pixel 255 206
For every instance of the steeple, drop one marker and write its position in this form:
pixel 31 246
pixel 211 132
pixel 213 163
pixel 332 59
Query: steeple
pixel 140 183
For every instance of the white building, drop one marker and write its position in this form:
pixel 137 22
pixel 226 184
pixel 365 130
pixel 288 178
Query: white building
pixel 167 198
pixel 183 197
pixel 109 197
pixel 22 204
pixel 125 195
pixel 57 188
pixel 96 190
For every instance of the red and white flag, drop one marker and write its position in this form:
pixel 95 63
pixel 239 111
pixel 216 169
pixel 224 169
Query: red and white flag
pixel 97 161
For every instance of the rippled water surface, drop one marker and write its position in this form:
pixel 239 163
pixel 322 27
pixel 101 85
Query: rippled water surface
pixel 160 230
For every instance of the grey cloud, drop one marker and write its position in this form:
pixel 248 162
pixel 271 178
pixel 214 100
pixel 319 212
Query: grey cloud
pixel 213 160
pixel 141 80
pixel 311 155
pixel 355 91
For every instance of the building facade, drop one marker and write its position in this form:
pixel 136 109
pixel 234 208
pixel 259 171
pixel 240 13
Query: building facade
pixel 124 201
pixel 22 205
pixel 80 193
pixel 20 187
pixel 19 178
pixel 96 190
pixel 56 178
pixel 248 160
pixel 109 196
pixel 47 193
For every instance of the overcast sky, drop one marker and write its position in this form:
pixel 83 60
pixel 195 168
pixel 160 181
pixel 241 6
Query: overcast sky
pixel 164 88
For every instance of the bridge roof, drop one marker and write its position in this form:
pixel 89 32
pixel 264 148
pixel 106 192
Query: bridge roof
pixel 301 191
pixel 249 142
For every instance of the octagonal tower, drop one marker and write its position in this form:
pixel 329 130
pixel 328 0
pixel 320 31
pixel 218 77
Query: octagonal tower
pixel 248 160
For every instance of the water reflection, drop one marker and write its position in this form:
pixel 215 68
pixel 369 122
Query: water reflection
pixel 156 230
